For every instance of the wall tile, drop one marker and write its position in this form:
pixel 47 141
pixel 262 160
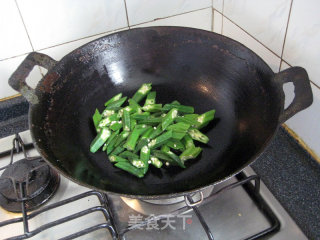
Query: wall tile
pixel 60 51
pixel 217 22
pixel 54 22
pixel 7 67
pixel 236 33
pixel 140 11
pixel 306 123
pixel 302 46
pixel 218 5
pixel 14 39
pixel 199 19
pixel 265 20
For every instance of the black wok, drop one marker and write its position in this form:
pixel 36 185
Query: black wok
pixel 195 67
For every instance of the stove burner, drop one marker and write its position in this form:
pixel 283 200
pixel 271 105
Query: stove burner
pixel 30 180
pixel 160 206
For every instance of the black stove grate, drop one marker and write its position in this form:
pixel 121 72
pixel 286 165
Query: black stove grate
pixel 251 184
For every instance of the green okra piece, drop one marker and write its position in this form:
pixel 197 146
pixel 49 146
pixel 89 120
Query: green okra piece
pixel 126 166
pixel 155 162
pixel 190 153
pixel 178 135
pixel 175 102
pixel 157 114
pixel 169 118
pixel 115 125
pixel 142 128
pixel 179 127
pixel 135 106
pixel 147 134
pixel 126 121
pixel 144 139
pixel 107 113
pixel 115 158
pixel 139 164
pixel 187 141
pixel 145 154
pixel 160 140
pixel 205 118
pixel 156 131
pixel 152 108
pixel 128 155
pixel 113 99
pixel 133 123
pixel 117 150
pixel 142 92
pixel 195 134
pixel 175 144
pixel 110 147
pixel 179 107
pixel 111 142
pixel 165 149
pixel 140 116
pixel 116 104
pixel 107 121
pixel 132 140
pixel 152 121
pixel 188 118
pixel 122 137
pixel 133 159
pixel 113 136
pixel 96 119
pixel 161 155
pixel 100 139
pixel 151 98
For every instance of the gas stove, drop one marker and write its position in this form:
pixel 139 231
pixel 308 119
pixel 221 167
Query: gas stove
pixel 36 202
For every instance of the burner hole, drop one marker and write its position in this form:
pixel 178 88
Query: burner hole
pixel 32 176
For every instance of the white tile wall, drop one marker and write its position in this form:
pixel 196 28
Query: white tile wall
pixel 217 22
pixel 52 22
pixel 306 123
pixel 199 19
pixel 140 11
pixel 7 67
pixel 302 46
pixel 218 5
pixel 234 32
pixel 14 38
pixel 265 20
pixel 60 51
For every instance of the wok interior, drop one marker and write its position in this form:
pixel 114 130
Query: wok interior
pixel 195 67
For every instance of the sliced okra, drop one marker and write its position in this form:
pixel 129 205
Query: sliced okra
pixel 100 139
pixel 195 134
pixel 142 92
pixel 113 99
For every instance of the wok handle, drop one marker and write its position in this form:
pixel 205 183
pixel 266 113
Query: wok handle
pixel 18 79
pixel 302 89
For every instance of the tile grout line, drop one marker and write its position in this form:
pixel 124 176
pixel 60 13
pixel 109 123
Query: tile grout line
pixel 222 16
pixel 125 6
pixel 175 15
pixel 24 25
pixel 212 18
pixel 4 59
pixel 60 44
pixel 104 33
pixel 285 34
pixel 252 36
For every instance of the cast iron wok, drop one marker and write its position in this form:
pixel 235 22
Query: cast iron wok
pixel 195 67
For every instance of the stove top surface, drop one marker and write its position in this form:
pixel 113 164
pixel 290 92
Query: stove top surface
pixel 231 214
